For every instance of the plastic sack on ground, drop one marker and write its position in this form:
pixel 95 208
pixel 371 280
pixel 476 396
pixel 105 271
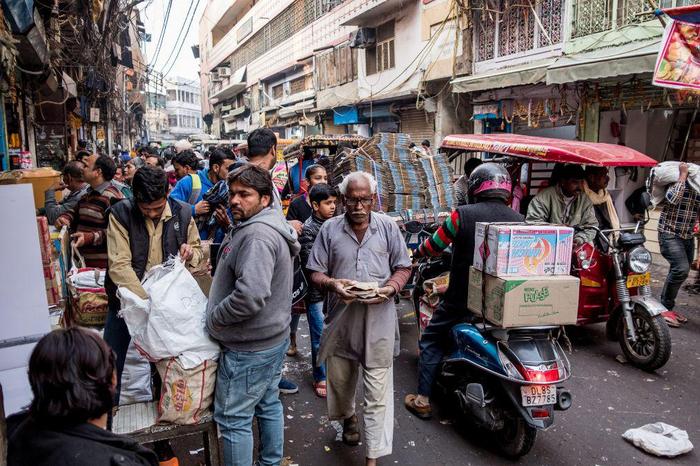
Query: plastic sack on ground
pixel 170 324
pixel 187 394
pixel 659 439
pixel 136 378
pixel 667 173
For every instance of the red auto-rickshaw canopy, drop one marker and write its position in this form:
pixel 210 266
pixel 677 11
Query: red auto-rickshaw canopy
pixel 550 149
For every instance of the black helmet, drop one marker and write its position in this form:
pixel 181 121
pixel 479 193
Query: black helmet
pixel 217 194
pixel 490 181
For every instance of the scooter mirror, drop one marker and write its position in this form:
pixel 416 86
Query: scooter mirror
pixel 413 226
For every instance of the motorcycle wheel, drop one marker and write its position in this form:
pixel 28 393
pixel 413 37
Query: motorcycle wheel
pixel 653 346
pixel 516 438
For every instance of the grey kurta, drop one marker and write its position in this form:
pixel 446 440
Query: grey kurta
pixel 366 333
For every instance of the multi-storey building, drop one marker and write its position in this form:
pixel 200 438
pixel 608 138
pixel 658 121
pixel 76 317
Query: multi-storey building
pixel 306 66
pixel 157 116
pixel 183 107
pixel 577 69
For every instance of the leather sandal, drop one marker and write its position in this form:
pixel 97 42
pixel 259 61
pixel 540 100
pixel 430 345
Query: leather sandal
pixel 423 412
pixel 351 431
pixel 320 389
pixel 670 318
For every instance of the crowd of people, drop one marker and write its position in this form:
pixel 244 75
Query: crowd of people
pixel 130 225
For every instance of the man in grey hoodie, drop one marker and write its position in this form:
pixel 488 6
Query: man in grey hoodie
pixel 248 314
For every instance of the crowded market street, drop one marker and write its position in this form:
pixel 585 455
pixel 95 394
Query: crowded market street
pixel 609 397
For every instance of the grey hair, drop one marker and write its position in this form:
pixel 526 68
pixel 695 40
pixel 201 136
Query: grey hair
pixel 357 176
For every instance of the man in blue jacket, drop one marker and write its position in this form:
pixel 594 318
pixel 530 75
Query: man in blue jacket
pixel 191 189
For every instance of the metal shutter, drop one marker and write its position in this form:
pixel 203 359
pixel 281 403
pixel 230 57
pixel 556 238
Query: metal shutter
pixel 419 124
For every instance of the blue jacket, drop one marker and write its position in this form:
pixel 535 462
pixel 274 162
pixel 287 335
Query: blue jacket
pixel 183 188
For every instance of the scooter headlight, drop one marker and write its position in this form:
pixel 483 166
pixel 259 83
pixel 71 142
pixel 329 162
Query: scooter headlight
pixel 639 260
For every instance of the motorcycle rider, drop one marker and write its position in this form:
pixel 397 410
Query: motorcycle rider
pixel 489 189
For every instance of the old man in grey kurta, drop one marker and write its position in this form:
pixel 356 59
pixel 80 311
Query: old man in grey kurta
pixel 358 334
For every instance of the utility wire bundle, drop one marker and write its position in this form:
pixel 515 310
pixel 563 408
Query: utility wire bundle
pixel 405 179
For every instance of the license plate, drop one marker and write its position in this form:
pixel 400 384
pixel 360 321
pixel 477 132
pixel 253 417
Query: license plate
pixel 635 281
pixel 538 395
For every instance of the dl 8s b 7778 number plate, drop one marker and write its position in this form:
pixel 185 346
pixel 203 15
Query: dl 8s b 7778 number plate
pixel 538 395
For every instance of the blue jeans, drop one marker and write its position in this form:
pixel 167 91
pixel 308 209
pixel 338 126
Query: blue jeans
pixel 679 254
pixel 314 314
pixel 246 386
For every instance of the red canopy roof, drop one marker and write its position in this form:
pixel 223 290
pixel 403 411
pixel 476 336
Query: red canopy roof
pixel 550 149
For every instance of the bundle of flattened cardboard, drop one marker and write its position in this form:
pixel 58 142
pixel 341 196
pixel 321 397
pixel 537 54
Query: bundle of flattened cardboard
pixel 405 178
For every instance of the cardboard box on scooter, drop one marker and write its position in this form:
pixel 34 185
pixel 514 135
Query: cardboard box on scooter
pixel 520 249
pixel 525 301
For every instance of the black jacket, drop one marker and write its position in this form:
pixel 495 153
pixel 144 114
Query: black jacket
pixel 463 247
pixel 299 209
pixel 31 444
pixel 308 235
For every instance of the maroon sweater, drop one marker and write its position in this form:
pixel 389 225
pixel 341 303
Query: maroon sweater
pixel 91 216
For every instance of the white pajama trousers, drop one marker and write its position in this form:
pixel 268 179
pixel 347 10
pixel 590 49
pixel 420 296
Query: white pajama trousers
pixel 378 402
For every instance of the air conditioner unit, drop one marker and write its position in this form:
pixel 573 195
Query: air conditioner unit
pixel 215 76
pixel 363 38
pixel 225 71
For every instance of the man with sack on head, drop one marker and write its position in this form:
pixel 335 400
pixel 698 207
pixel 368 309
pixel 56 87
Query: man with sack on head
pixel 143 232
pixel 356 250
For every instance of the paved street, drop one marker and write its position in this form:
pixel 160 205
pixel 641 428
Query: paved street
pixel 609 398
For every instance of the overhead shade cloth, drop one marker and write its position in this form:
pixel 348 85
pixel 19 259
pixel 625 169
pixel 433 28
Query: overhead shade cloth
pixel 604 63
pixel 532 73
pixel 285 112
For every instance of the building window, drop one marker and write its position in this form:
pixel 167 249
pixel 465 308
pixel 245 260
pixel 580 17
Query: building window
pixel 172 120
pixel 171 95
pixel 298 85
pixel 335 67
pixel 381 57
pixel 277 91
pixel 504 27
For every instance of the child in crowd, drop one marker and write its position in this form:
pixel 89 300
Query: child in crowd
pixel 300 209
pixel 322 198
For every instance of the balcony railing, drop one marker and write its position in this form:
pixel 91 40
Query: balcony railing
pixel 504 27
pixel 593 16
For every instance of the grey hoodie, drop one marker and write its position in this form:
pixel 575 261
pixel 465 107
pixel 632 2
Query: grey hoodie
pixel 251 293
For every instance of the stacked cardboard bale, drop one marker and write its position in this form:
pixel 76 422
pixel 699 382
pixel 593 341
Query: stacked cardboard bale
pixel 405 179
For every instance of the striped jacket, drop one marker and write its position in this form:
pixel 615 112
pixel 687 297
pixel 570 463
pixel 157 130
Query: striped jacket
pixel 91 216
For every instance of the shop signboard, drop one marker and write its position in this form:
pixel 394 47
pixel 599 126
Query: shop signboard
pixel 678 63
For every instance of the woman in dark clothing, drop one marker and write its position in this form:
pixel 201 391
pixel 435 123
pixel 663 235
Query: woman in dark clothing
pixel 72 375
pixel 300 208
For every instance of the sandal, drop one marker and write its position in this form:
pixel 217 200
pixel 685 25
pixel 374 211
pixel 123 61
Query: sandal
pixel 422 412
pixel 681 318
pixel 670 318
pixel 351 431
pixel 320 389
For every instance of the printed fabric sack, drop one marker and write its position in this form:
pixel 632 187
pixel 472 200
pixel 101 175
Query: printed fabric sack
pixel 186 394
pixel 86 294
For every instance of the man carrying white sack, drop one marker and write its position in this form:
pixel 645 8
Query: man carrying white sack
pixel 361 246
pixel 142 233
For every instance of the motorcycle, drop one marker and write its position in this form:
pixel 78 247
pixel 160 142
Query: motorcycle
pixel 615 287
pixel 506 382
pixel 614 284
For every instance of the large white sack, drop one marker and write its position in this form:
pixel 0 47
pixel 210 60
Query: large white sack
pixel 170 324
pixel 667 173
pixel 659 439
pixel 136 378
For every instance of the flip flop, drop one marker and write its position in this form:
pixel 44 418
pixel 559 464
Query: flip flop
pixel 422 412
pixel 680 318
pixel 670 318
pixel 320 389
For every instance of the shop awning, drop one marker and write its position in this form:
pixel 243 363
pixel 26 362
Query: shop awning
pixel 285 112
pixel 235 86
pixel 604 63
pixel 231 114
pixel 532 73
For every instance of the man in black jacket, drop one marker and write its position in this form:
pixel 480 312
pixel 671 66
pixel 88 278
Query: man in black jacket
pixel 67 427
pixel 143 232
pixel 490 186
pixel 322 199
